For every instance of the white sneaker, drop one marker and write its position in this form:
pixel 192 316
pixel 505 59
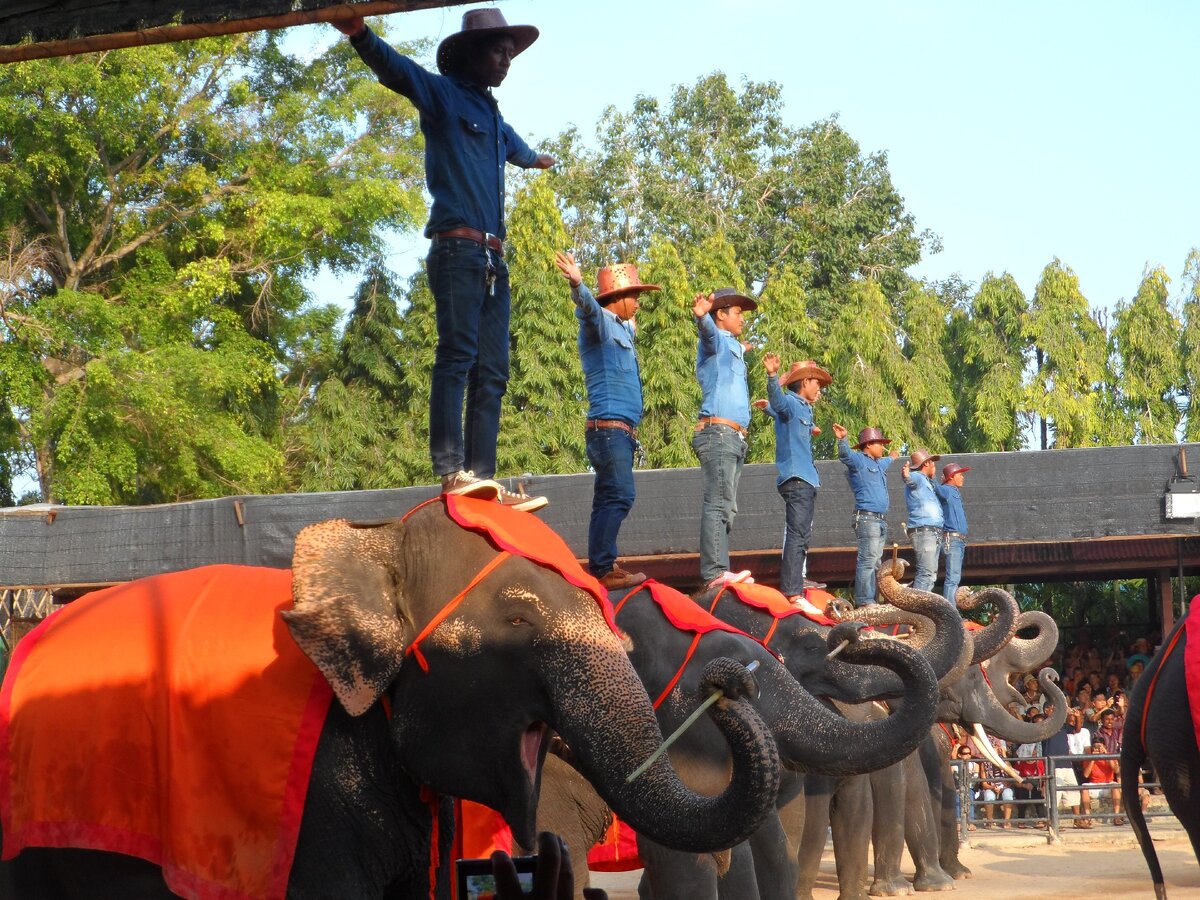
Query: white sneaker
pixel 465 484
pixel 522 502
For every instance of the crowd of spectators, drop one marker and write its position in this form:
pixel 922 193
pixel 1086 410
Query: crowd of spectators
pixel 1096 677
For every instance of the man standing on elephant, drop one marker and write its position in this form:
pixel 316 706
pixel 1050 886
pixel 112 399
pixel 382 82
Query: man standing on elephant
pixel 866 470
pixel 467 144
pixel 924 515
pixel 720 440
pixel 954 525
pixel 614 388
pixel 797 480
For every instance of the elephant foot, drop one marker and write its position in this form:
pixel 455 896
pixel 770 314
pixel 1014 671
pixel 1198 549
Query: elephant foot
pixel 956 870
pixel 933 880
pixel 890 887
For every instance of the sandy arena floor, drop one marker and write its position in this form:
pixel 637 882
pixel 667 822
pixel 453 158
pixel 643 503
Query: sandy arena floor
pixel 1104 863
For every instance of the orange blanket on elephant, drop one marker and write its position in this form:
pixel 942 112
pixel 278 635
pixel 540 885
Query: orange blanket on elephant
pixel 772 601
pixel 171 718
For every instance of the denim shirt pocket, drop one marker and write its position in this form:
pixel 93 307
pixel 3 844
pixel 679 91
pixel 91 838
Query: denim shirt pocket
pixel 476 139
pixel 622 351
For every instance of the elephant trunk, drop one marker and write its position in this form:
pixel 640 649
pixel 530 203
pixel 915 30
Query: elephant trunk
pixel 611 729
pixel 989 639
pixel 983 708
pixel 837 746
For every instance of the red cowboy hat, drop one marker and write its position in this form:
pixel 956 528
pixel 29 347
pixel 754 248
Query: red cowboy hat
pixel 920 456
pixel 806 369
pixel 479 24
pixel 871 436
pixel 722 298
pixel 951 469
pixel 616 281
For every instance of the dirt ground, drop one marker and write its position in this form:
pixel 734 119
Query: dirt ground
pixel 1105 864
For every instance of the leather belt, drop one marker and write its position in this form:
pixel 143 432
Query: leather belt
pixel 924 528
pixel 705 421
pixel 869 514
pixel 612 423
pixel 957 534
pixel 490 241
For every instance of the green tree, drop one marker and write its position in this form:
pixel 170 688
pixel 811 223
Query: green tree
pixel 180 193
pixel 1146 338
pixel 1190 347
pixel 1069 354
pixel 990 356
pixel 926 387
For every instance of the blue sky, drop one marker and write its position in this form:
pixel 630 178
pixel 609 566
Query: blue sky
pixel 1015 131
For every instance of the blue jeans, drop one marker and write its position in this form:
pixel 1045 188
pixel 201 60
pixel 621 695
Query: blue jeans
pixel 872 535
pixel 472 356
pixel 610 451
pixel 926 544
pixel 721 452
pixel 799 497
pixel 954 548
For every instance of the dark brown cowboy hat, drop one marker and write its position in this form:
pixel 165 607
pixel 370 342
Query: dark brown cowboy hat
pixel 723 298
pixel 951 469
pixel 871 436
pixel 920 456
pixel 806 369
pixel 620 280
pixel 478 25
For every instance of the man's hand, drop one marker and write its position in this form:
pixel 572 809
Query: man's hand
pixel 838 431
pixel 352 26
pixel 566 265
pixel 895 454
pixel 759 404
pixel 815 430
pixel 771 363
pixel 701 304
pixel 904 470
pixel 544 161
pixel 552 879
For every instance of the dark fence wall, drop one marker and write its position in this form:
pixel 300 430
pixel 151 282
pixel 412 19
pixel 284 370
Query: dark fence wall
pixel 1011 498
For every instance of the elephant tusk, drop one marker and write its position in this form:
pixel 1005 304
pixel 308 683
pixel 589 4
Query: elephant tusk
pixel 687 723
pixel 838 649
pixel 989 753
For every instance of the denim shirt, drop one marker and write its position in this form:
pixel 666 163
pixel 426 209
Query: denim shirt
pixel 466 139
pixel 955 518
pixel 610 366
pixel 867 477
pixel 793 433
pixel 721 371
pixel 922 500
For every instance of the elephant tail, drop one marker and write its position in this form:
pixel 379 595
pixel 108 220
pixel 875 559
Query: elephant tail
pixel 1134 751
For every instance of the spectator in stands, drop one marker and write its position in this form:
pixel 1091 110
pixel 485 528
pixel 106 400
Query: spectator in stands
pixel 1099 704
pixel 1031 697
pixel 970 774
pixel 1104 771
pixel 991 789
pixel 1059 745
pixel 1031 765
pixel 1136 665
pixel 1107 733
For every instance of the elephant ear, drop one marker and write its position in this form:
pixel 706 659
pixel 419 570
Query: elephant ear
pixel 346 607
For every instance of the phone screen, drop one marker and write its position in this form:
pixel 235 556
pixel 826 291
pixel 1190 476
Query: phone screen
pixel 476 881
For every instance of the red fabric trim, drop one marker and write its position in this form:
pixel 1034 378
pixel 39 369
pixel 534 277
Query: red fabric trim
pixel 768 599
pixel 687 658
pixel 1191 665
pixel 524 534
pixel 683 612
pixel 170 661
pixel 445 611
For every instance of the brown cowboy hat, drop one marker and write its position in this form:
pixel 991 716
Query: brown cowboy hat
pixel 871 436
pixel 723 298
pixel 951 469
pixel 616 281
pixel 477 25
pixel 920 456
pixel 806 369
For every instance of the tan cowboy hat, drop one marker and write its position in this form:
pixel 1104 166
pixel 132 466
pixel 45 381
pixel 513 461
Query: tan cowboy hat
pixel 615 281
pixel 871 436
pixel 920 456
pixel 951 469
pixel 722 298
pixel 479 24
pixel 806 369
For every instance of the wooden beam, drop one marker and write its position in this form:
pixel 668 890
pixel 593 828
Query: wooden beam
pixel 1166 599
pixel 37 29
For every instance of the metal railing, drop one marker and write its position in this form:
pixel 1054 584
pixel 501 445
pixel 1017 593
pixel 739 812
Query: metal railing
pixel 1041 810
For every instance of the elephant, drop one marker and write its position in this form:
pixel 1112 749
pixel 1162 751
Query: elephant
pixel 1160 728
pixel 810 736
pixel 451 653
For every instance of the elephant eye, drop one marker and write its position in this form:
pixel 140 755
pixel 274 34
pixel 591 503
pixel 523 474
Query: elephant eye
pixel 516 620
